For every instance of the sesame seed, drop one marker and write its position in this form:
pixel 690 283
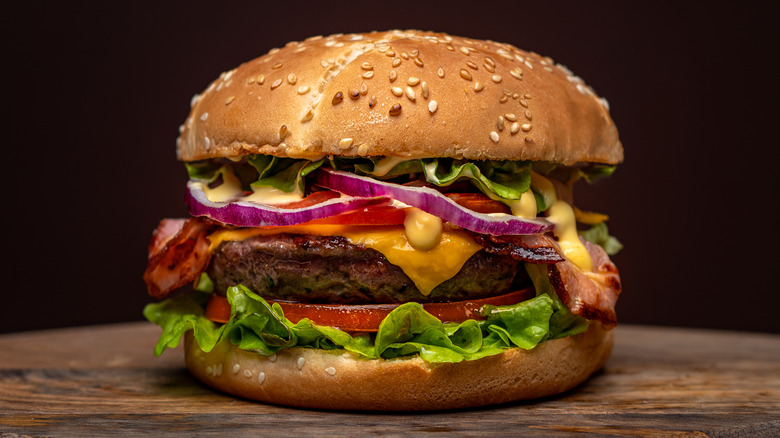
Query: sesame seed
pixel 398 91
pixel 528 63
pixel 515 96
pixel 404 55
pixel 260 79
pixel 494 136
pixel 209 369
pixel 464 50
pixel 331 371
pixel 414 52
pixel 489 68
pixel 207 142
pixel 514 128
pixel 396 62
pixel 395 110
pixel 250 80
pixel 528 140
pixel 393 75
pixel 236 368
pixel 218 370
pixel 324 63
pixel 465 74
pixel 432 106
pixel 277 65
pixel 303 90
pixel 523 103
pixel 500 123
pixel 526 127
pixel 276 83
pixel 425 89
pixel 503 99
pixel 260 377
pixel 371 102
pixel 204 116
pixel 478 86
pixel 247 373
pixel 489 61
pixel 413 81
pixel 300 362
pixel 353 93
pixel 516 73
pixel 283 132
pixel 292 79
pixel 410 94
pixel 345 143
pixel 440 72
pixel 450 48
pixel 272 358
pixel 229 99
pixel 511 117
pixel 472 65
pixel 308 116
pixel 363 149
pixel 366 66
pixel 368 75
pixel 390 53
pixel 337 98
pixel 528 115
pixel 418 62
pixel 496 78
pixel 363 88
pixel 527 96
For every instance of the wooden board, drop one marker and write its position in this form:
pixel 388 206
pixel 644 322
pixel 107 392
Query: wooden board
pixel 105 381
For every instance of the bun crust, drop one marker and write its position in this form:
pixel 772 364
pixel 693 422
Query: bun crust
pixel 321 379
pixel 402 93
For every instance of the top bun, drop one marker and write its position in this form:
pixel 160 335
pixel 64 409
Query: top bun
pixel 405 94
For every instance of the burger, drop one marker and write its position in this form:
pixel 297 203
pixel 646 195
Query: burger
pixel 385 221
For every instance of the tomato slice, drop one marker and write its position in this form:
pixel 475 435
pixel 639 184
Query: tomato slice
pixel 367 317
pixel 379 215
pixel 313 199
pixel 478 202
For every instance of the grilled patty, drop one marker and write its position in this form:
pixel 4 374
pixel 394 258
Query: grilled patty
pixel 330 269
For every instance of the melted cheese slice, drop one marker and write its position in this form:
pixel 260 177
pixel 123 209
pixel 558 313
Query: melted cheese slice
pixel 426 268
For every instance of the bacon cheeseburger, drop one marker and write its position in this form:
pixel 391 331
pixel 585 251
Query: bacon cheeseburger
pixel 385 221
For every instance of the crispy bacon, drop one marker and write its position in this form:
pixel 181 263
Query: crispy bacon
pixel 592 295
pixel 532 248
pixel 178 253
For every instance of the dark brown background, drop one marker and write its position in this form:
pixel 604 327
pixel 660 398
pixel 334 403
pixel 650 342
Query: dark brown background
pixel 93 95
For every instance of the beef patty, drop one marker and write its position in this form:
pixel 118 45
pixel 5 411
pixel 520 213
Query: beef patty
pixel 330 269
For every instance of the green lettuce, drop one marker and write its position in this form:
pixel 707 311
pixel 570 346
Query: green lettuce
pixel 409 330
pixel 599 234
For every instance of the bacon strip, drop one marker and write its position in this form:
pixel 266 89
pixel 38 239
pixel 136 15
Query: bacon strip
pixel 178 254
pixel 592 295
pixel 532 248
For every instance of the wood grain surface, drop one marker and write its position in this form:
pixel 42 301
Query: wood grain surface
pixel 104 381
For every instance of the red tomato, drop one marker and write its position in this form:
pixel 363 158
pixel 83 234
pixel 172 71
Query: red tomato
pixel 367 317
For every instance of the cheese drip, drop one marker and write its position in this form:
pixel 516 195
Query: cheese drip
pixel 426 268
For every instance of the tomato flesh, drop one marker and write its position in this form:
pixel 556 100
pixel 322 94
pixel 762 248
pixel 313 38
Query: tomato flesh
pixel 367 317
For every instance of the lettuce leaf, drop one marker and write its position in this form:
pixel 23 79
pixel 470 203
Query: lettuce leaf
pixel 599 234
pixel 409 330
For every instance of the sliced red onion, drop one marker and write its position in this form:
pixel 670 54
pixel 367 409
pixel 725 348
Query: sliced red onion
pixel 430 201
pixel 252 214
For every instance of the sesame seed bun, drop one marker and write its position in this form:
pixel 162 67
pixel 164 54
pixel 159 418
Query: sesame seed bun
pixel 401 93
pixel 322 379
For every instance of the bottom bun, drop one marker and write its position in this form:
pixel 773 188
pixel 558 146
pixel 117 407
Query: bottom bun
pixel 327 379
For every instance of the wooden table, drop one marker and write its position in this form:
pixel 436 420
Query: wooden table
pixel 104 380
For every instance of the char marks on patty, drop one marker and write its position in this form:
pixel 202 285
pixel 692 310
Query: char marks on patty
pixel 330 269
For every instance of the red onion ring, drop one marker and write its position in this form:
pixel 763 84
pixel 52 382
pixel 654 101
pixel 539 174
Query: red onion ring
pixel 430 201
pixel 251 214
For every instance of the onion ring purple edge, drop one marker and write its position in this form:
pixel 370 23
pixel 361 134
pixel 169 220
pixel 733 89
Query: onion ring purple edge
pixel 430 201
pixel 249 214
